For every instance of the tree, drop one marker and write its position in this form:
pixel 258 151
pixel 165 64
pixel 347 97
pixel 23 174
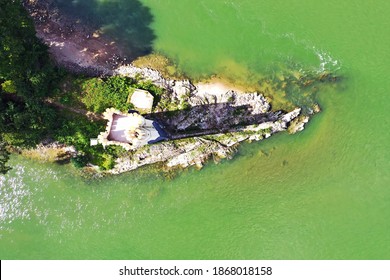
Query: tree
pixel 4 157
pixel 24 59
pixel 27 75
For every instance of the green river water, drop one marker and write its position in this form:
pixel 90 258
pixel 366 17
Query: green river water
pixel 323 193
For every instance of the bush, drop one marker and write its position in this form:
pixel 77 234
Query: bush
pixel 79 161
pixel 99 94
pixel 8 86
pixel 107 162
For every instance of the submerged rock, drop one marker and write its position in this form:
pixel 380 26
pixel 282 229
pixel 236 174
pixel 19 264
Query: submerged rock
pixel 298 124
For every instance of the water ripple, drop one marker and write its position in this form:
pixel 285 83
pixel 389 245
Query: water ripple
pixel 17 189
pixel 15 202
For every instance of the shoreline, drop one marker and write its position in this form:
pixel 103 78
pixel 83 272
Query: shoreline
pixel 73 45
pixel 82 49
pixel 79 50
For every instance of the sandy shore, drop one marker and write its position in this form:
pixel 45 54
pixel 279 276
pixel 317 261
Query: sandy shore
pixel 81 48
pixel 73 44
pixel 216 87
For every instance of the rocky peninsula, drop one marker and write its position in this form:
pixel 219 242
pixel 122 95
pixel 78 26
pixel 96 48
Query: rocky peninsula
pixel 210 121
pixel 206 119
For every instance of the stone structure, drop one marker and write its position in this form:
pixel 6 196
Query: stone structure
pixel 142 100
pixel 129 130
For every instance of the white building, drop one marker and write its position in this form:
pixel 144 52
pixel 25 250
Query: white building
pixel 142 100
pixel 129 130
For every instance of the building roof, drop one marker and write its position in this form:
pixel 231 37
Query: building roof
pixel 129 130
pixel 142 99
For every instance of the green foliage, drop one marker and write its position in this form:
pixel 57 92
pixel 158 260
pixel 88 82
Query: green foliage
pixel 17 40
pixel 267 130
pixel 25 124
pixel 23 57
pixel 156 91
pixel 149 86
pixel 107 162
pixel 99 94
pixel 105 159
pixel 8 86
pixel 4 157
pixel 184 105
pixel 27 76
pixel 79 161
pixel 69 89
pixel 77 131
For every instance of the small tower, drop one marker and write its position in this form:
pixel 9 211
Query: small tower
pixel 129 130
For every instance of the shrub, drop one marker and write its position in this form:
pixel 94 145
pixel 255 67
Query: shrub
pixel 107 162
pixel 99 94
pixel 79 161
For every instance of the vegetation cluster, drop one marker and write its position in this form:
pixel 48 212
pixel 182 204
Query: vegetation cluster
pixel 28 77
pixel 97 93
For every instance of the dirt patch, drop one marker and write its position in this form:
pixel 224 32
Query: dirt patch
pixel 72 43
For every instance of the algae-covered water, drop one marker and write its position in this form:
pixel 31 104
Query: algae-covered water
pixel 320 194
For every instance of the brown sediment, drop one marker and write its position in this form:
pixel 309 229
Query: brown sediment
pixel 72 43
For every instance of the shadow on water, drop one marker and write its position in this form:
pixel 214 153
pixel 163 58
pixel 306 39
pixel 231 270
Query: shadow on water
pixel 127 22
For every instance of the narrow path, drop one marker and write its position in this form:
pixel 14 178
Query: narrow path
pixel 88 114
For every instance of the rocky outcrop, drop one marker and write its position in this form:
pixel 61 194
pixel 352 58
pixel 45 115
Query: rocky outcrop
pixel 175 153
pixel 204 121
pixel 223 118
pixel 51 152
pixel 298 124
pixel 197 150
